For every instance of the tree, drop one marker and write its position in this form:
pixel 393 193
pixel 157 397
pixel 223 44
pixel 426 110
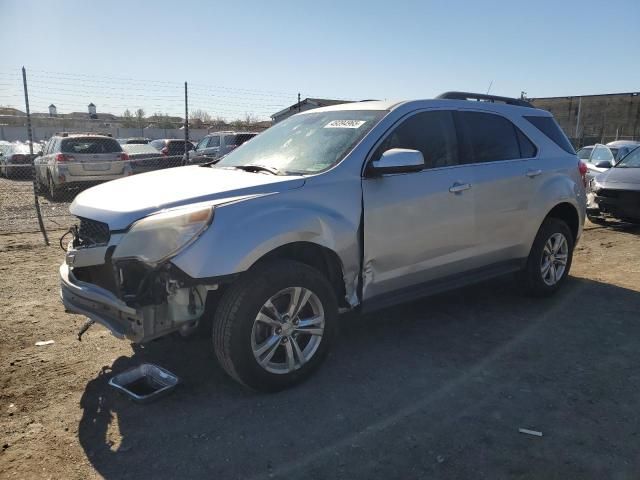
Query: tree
pixel 140 118
pixel 127 119
pixel 199 118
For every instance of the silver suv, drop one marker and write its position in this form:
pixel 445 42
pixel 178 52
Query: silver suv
pixel 72 160
pixel 217 145
pixel 354 206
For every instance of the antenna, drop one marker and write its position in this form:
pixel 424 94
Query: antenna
pixel 490 85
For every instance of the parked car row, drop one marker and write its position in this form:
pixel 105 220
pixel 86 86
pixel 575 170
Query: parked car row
pixel 16 160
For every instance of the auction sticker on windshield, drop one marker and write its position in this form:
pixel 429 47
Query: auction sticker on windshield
pixel 345 124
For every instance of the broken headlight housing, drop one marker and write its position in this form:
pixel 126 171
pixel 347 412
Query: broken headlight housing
pixel 158 237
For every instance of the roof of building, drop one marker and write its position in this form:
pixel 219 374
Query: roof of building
pixel 318 102
pixel 566 97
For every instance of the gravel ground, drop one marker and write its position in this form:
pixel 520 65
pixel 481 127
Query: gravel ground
pixel 18 212
pixel 432 389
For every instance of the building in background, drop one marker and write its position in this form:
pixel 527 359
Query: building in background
pixel 590 119
pixel 304 105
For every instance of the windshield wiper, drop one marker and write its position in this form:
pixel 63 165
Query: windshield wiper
pixel 211 162
pixel 258 168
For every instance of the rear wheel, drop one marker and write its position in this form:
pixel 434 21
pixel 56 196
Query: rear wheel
pixel 273 328
pixel 550 258
pixel 54 191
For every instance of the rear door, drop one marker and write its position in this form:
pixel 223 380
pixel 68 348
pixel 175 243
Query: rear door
pixel 418 226
pixel 504 177
pixel 92 156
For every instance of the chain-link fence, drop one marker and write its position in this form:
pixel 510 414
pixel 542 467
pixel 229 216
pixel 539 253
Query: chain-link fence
pixel 61 133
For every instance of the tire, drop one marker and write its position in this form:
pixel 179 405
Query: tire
pixel 237 333
pixel 535 283
pixel 54 192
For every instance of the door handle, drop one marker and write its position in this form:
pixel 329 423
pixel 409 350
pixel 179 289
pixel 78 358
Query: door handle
pixel 459 187
pixel 533 173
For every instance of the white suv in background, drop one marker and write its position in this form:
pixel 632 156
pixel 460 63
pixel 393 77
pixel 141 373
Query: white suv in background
pixel 73 160
pixel 354 206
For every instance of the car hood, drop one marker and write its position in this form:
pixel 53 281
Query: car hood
pixel 119 203
pixel 619 178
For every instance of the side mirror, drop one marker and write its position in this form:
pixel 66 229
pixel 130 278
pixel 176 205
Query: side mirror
pixel 604 164
pixel 398 160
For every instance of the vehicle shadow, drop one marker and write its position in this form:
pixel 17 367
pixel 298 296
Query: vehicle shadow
pixel 437 387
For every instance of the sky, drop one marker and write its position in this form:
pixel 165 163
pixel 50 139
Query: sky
pixel 254 57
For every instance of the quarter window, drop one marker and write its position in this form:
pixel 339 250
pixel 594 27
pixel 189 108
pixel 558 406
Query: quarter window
pixel 432 133
pixel 488 138
pixel 550 128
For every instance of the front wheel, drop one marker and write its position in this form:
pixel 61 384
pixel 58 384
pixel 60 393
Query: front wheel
pixel 550 258
pixel 274 326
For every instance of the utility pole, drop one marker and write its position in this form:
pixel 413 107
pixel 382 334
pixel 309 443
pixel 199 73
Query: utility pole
pixel 299 102
pixel 186 124
pixel 578 117
pixel 30 133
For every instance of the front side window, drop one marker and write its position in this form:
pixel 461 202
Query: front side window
pixel 214 141
pixel 488 137
pixel 307 143
pixel 432 133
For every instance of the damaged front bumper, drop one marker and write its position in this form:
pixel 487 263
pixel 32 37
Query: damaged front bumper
pixel 179 310
pixel 98 304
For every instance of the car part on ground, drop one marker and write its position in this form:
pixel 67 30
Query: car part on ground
pixel 145 383
pixel 353 206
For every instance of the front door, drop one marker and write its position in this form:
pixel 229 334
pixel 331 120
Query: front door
pixel 418 226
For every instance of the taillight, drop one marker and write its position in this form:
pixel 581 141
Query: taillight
pixel 583 169
pixel 62 157
pixel 165 151
pixel 124 156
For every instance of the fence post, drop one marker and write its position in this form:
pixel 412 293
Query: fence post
pixel 186 125
pixel 30 133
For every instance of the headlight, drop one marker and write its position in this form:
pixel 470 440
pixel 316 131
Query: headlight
pixel 158 237
pixel 594 186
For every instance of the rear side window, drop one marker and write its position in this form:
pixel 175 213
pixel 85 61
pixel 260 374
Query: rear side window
pixel 550 128
pixel 488 137
pixel 89 145
pixel 432 133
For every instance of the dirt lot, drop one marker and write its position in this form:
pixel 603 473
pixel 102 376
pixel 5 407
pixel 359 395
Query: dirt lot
pixel 433 389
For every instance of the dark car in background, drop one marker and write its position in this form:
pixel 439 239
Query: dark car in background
pixel 171 147
pixel 617 191
pixel 145 158
pixel 16 160
pixel 217 145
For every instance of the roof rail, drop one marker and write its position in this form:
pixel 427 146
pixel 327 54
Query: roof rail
pixel 481 97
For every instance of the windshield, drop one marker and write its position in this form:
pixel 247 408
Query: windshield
pixel 583 153
pixel 632 160
pixel 305 144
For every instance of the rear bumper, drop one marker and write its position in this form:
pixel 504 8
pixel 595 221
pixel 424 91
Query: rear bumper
pixel 99 305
